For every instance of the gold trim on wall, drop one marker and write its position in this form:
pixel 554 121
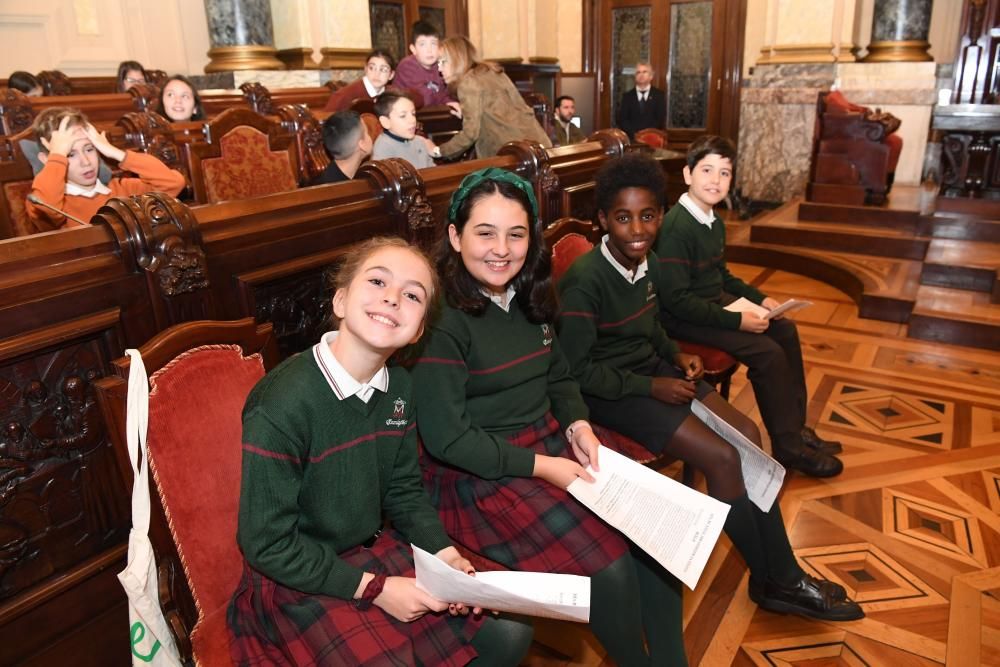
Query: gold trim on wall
pixel 231 58
pixel 913 50
pixel 343 58
pixel 297 58
pixel 543 60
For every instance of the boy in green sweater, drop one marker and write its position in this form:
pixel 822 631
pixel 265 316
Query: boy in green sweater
pixel 695 286
pixel 636 381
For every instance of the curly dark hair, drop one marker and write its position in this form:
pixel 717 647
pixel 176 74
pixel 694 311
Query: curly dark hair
pixel 533 283
pixel 632 170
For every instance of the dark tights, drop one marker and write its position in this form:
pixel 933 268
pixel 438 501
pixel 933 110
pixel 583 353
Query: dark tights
pixel 502 641
pixel 760 537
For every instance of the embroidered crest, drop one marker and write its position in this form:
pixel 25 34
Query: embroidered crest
pixel 398 414
pixel 650 294
pixel 546 334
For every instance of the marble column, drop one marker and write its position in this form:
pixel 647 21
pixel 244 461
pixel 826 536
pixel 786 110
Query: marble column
pixel 292 33
pixel 241 34
pixel 899 31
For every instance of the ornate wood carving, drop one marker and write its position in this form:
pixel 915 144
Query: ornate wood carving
pixel 55 82
pixel 16 114
pixel 159 236
pixel 258 98
pixel 313 159
pixel 61 500
pixel 298 308
pixel 402 191
pixel 145 96
pixel 533 164
pixel 970 165
pixel 156 77
pixel 151 133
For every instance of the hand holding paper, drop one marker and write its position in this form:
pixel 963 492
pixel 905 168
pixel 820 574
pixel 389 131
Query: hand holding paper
pixel 744 305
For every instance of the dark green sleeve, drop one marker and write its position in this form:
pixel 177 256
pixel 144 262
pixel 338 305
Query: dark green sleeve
pixel 445 427
pixel 733 285
pixel 406 502
pixel 577 325
pixel 269 515
pixel 676 255
pixel 564 393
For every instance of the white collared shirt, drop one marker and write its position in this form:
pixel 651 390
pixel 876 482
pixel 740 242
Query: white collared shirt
pixel 631 276
pixel 372 90
pixel 643 94
pixel 78 191
pixel 340 381
pixel 695 210
pixel 502 300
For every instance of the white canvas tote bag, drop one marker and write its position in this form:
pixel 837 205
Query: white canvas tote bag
pixel 150 638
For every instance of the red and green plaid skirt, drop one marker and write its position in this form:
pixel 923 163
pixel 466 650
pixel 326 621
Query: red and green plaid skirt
pixel 524 523
pixel 270 624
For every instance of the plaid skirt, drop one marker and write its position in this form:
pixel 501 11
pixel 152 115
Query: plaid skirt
pixel 523 523
pixel 270 624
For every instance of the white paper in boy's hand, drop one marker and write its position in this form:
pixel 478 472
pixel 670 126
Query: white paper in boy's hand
pixel 787 307
pixel 762 475
pixel 674 524
pixel 745 305
pixel 560 596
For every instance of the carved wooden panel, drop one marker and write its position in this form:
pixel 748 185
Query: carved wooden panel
pixel 16 114
pixel 61 499
pixel 298 308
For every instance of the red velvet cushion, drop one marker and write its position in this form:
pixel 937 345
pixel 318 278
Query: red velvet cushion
pixel 714 359
pixel 566 250
pixel 652 136
pixel 16 193
pixel 247 167
pixel 895 144
pixel 837 103
pixel 195 435
pixel 210 640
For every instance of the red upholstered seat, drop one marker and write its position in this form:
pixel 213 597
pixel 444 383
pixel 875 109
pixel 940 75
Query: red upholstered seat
pixel 566 250
pixel 247 167
pixel 652 136
pixel 200 374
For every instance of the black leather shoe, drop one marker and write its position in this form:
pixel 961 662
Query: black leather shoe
pixel 809 597
pixel 831 588
pixel 811 439
pixel 810 462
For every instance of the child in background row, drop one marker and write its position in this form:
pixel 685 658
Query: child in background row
pixel 70 150
pixel 348 143
pixel 26 83
pixel 379 70
pixel 330 448
pixel 180 101
pixel 399 137
pixel 695 286
pixel 418 72
pixel 637 382
pixel 502 413
pixel 130 73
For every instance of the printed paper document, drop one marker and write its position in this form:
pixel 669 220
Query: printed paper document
pixel 561 596
pixel 674 524
pixel 744 305
pixel 762 475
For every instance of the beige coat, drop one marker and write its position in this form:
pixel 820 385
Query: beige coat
pixel 493 113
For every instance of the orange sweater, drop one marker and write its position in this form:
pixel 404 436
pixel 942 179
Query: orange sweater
pixel 50 186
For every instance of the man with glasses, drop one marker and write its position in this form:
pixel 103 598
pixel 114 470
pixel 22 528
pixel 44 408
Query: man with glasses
pixel 380 67
pixel 643 106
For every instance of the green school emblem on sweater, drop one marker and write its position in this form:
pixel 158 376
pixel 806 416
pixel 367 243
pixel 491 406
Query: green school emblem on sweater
pixel 546 335
pixel 398 414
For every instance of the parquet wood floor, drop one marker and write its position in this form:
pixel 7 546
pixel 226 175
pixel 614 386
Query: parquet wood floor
pixel 911 528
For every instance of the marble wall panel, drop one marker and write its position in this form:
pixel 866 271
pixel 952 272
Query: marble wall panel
pixel 774 150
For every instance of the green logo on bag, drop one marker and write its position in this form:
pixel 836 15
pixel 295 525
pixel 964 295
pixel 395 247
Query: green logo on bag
pixel 138 633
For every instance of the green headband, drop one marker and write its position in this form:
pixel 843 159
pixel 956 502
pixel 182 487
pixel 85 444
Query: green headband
pixel 491 174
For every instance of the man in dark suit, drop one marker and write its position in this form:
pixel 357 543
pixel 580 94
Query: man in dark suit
pixel 643 106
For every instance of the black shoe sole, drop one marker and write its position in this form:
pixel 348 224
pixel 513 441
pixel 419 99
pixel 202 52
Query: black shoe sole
pixel 809 472
pixel 779 607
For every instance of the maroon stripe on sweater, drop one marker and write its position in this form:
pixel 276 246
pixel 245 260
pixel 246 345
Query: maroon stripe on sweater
pixel 440 360
pixel 358 441
pixel 608 325
pixel 271 455
pixel 578 313
pixel 512 362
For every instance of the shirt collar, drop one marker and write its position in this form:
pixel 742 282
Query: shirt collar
pixel 340 381
pixel 642 91
pixel 78 191
pixel 395 136
pixel 631 276
pixel 695 210
pixel 502 300
pixel 372 90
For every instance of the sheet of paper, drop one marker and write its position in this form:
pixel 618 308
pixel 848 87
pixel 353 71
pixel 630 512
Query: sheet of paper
pixel 674 524
pixel 762 475
pixel 561 596
pixel 745 305
pixel 789 306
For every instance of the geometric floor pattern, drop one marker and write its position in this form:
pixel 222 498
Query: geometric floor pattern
pixel 911 528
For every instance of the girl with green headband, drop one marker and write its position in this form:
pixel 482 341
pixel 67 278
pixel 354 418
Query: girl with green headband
pixel 500 411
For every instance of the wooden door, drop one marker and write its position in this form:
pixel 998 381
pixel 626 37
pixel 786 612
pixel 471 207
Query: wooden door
pixel 392 20
pixel 696 50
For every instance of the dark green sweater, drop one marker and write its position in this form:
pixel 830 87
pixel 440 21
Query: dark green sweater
pixel 693 273
pixel 317 473
pixel 610 327
pixel 491 376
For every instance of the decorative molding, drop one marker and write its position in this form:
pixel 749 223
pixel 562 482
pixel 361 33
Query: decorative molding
pixel 801 53
pixel 230 58
pixel 336 58
pixel 914 50
pixel 297 58
pixel 258 98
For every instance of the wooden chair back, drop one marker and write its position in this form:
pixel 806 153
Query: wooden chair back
pixel 200 374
